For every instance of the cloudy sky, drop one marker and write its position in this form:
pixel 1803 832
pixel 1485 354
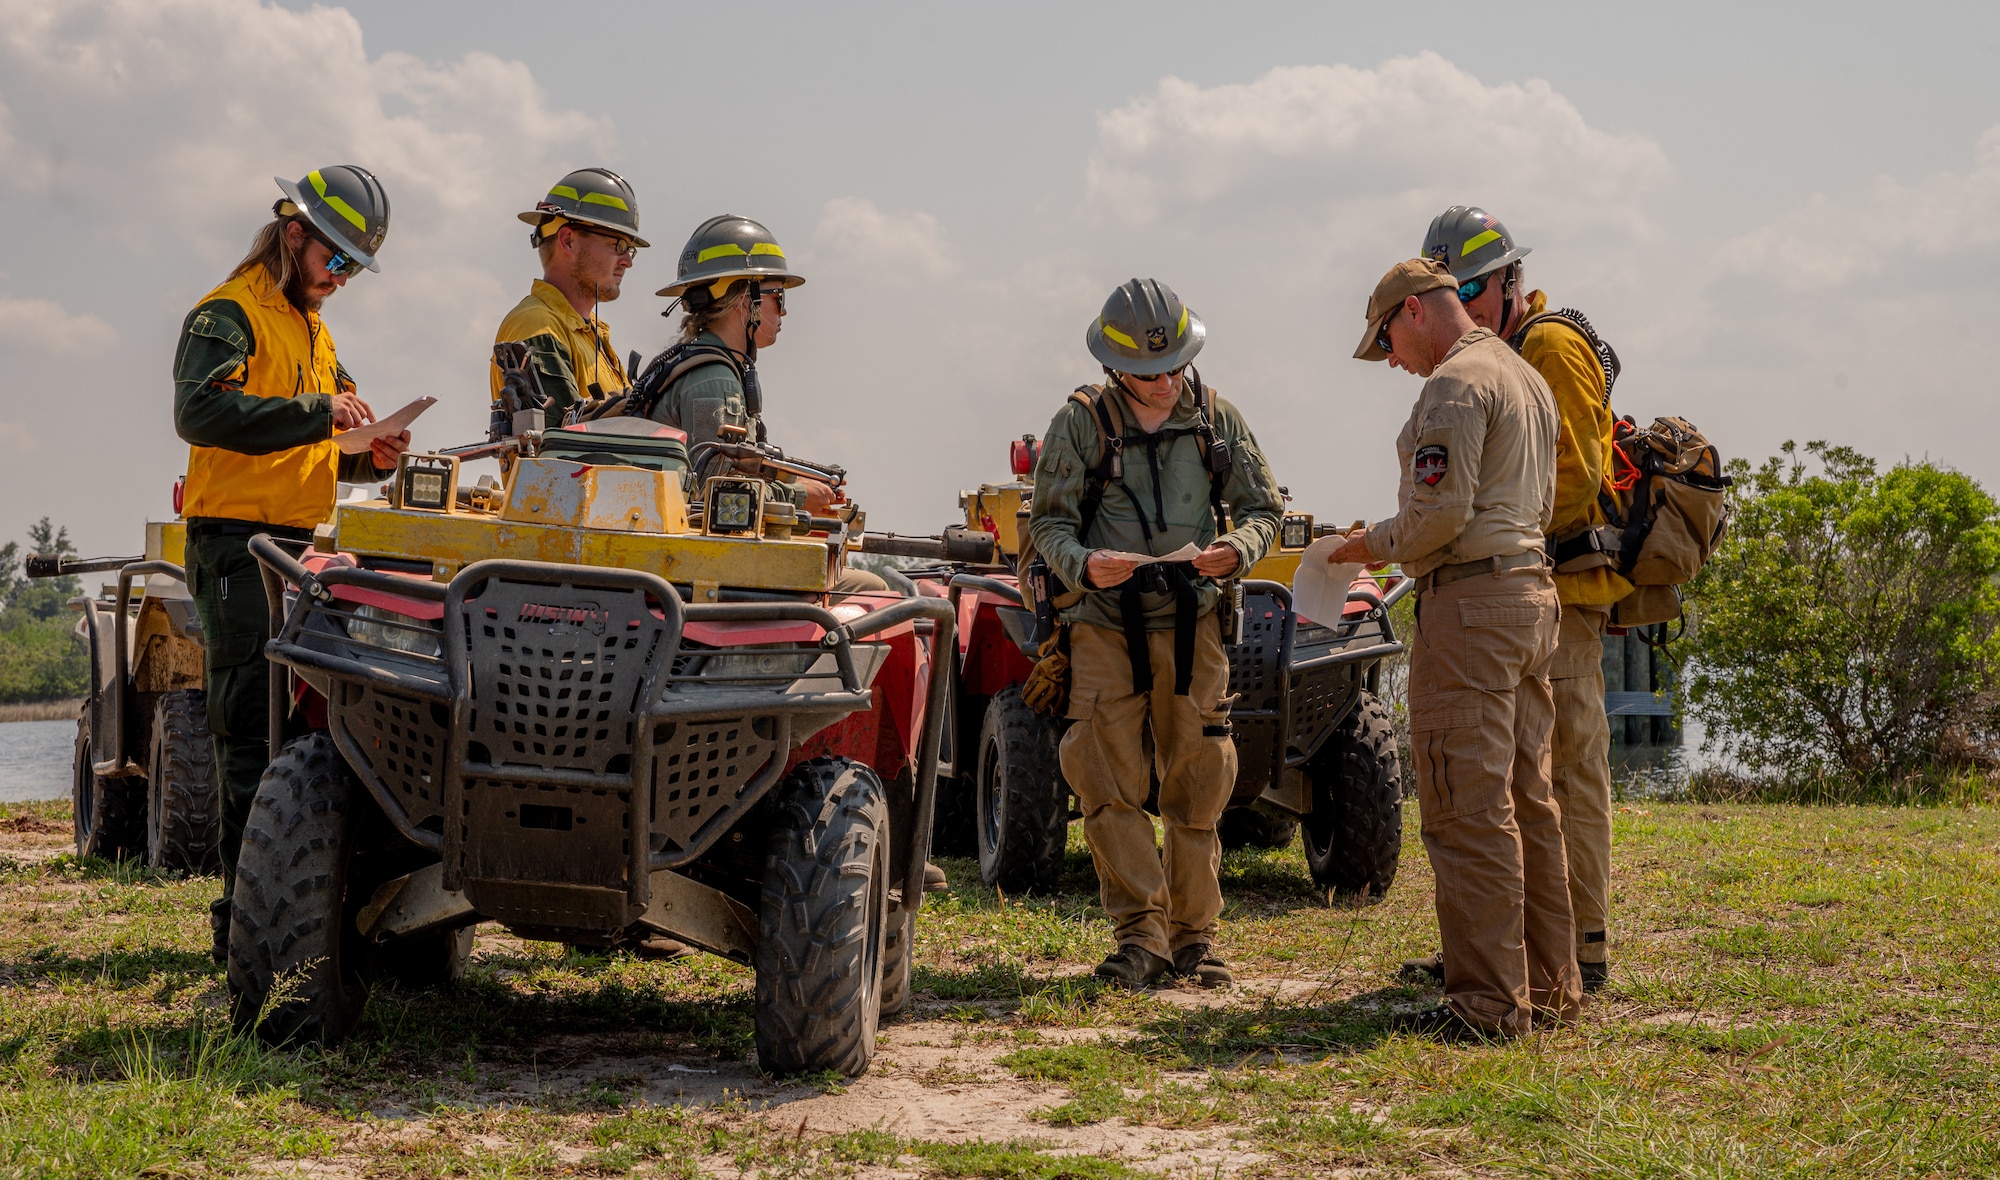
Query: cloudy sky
pixel 1787 218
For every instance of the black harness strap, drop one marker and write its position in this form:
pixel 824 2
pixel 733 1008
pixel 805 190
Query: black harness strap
pixel 669 367
pixel 1171 577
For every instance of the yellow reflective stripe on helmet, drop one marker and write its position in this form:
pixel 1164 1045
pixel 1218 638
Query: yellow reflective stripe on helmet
pixel 335 203
pixel 722 251
pixel 1180 329
pixel 605 199
pixel 1115 336
pixel 766 248
pixel 563 190
pixel 1475 243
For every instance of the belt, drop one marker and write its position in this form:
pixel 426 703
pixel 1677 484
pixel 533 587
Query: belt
pixel 1445 575
pixel 216 526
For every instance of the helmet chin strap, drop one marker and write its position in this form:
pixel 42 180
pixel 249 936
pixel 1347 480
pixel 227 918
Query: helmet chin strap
pixel 753 390
pixel 1508 283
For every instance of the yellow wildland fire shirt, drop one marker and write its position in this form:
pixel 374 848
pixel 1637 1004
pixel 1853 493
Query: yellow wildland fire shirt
pixel 254 381
pixel 1583 445
pixel 572 354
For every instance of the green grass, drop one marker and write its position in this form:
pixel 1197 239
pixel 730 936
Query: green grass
pixel 1797 992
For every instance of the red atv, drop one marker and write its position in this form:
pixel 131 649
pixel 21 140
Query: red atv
pixel 585 755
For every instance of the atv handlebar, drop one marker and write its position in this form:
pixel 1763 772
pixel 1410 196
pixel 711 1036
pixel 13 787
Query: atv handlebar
pixel 956 545
pixel 56 565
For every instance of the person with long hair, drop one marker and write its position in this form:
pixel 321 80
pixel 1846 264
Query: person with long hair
pixel 258 396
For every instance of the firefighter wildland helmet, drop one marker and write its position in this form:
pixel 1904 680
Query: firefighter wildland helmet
pixel 345 203
pixel 1145 330
pixel 588 196
pixel 1471 242
pixel 722 250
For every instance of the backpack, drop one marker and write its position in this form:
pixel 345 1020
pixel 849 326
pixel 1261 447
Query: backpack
pixel 1673 502
pixel 1665 499
pixel 644 397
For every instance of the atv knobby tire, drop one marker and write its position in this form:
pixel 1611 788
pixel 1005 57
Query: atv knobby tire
pixel 821 920
pixel 896 950
pixel 1247 827
pixel 1022 800
pixel 291 928
pixel 183 796
pixel 1354 833
pixel 109 813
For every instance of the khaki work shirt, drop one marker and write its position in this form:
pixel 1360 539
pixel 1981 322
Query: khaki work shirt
pixel 1478 462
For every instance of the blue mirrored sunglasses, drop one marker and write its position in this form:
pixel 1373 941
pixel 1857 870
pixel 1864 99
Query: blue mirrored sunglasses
pixel 1469 291
pixel 341 264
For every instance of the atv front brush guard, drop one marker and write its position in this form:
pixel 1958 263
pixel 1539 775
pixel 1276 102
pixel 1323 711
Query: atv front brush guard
pixel 432 696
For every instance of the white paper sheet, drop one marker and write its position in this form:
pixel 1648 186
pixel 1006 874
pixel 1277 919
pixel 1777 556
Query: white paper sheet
pixel 354 441
pixel 1187 552
pixel 1319 590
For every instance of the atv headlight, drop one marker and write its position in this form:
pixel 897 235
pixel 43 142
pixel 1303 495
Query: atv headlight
pixel 731 665
pixel 380 627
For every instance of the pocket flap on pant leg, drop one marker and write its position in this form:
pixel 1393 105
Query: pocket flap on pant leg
pixel 1444 710
pixel 1500 610
pixel 1082 705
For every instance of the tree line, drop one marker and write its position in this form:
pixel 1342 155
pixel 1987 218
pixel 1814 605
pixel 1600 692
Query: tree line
pixel 40 658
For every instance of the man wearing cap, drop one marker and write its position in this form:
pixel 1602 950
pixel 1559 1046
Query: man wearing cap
pixel 258 397
pixel 1149 463
pixel 1477 488
pixel 1579 367
pixel 586 230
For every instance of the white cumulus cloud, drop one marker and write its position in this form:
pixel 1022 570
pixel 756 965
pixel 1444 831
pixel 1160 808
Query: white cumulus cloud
pixel 46 324
pixel 1362 151
pixel 863 240
pixel 149 131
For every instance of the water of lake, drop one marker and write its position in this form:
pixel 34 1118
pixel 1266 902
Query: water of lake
pixel 35 759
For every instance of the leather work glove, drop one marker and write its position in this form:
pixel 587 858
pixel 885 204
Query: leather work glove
pixel 1047 688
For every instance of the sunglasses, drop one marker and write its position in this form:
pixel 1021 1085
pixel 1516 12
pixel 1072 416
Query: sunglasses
pixel 777 293
pixel 341 264
pixel 1382 333
pixel 621 246
pixel 1169 375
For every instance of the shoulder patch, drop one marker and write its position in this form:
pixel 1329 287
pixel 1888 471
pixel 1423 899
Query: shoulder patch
pixel 1429 465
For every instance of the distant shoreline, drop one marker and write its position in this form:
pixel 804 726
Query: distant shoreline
pixel 41 711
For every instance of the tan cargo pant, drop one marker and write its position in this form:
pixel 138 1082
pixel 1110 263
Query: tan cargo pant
pixel 1160 898
pixel 1581 770
pixel 1480 721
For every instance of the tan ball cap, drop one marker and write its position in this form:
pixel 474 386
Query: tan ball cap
pixel 1417 276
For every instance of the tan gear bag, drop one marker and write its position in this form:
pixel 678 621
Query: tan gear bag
pixel 1673 510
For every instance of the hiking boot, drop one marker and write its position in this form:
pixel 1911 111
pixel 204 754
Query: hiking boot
pixel 934 879
pixel 1441 1024
pixel 1595 975
pixel 1197 962
pixel 1133 966
pixel 1423 972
